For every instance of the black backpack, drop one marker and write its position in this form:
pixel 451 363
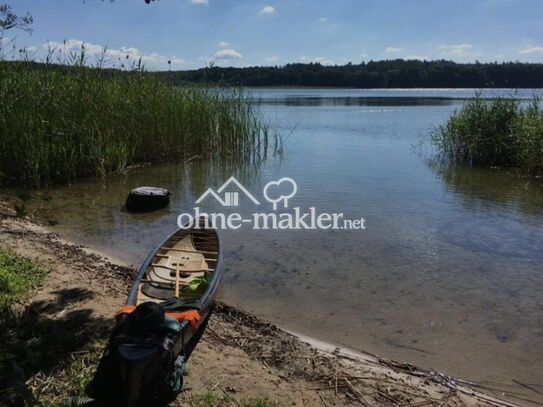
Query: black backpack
pixel 139 367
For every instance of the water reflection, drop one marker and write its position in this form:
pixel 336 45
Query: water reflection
pixel 480 187
pixel 362 101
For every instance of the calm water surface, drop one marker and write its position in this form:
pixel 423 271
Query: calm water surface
pixel 447 275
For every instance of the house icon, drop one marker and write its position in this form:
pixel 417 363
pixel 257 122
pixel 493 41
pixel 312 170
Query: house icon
pixel 230 198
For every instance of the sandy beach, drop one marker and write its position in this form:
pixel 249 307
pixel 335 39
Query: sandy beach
pixel 239 355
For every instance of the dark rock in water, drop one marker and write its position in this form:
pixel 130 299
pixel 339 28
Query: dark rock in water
pixel 147 199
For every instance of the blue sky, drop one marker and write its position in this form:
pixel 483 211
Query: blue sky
pixel 274 32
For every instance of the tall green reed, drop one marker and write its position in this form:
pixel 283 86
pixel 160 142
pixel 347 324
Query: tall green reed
pixel 504 132
pixel 59 123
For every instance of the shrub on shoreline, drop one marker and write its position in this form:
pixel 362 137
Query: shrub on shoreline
pixel 60 123
pixel 502 132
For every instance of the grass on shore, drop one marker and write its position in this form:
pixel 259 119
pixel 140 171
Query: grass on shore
pixel 47 360
pixel 215 399
pixel 18 275
pixel 501 132
pixel 42 360
pixel 60 123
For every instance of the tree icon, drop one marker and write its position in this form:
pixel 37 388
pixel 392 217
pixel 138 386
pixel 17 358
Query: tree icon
pixel 281 198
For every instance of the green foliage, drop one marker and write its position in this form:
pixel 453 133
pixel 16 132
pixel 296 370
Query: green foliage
pixel 207 399
pixel 497 132
pixel 55 359
pixel 529 146
pixel 17 276
pixel 199 284
pixel 396 73
pixel 42 360
pixel 213 399
pixel 258 402
pixel 61 123
pixel 9 20
pixel 71 378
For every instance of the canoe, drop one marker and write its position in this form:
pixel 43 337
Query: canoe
pixel 186 265
pixel 165 315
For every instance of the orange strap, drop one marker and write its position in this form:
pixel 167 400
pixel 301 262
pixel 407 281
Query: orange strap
pixel 191 315
pixel 125 309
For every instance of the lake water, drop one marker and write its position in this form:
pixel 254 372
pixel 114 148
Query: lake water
pixel 447 275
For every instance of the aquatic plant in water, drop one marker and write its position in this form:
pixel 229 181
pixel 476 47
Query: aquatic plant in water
pixel 501 132
pixel 61 122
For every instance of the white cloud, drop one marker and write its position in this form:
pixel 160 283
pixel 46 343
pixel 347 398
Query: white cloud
pixel 227 54
pixel 530 50
pixel 199 1
pixel 272 58
pixel 322 20
pixel 223 44
pixel 455 50
pixel 73 45
pixel 416 57
pixel 318 60
pixel 175 60
pixel 391 50
pixel 267 10
pixel 364 55
pixel 500 56
pixel 122 53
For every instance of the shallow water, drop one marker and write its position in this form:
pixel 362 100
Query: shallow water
pixel 448 273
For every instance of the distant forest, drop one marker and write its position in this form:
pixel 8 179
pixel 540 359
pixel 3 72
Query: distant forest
pixel 397 73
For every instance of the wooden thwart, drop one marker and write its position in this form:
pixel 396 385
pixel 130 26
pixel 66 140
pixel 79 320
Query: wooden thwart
pixel 169 284
pixel 165 256
pixel 164 266
pixel 187 250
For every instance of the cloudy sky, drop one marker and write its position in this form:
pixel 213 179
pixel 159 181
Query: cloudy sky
pixel 190 33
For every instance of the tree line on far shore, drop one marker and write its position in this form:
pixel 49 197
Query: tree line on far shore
pixel 396 73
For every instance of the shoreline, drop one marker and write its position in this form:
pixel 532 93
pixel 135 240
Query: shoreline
pixel 246 354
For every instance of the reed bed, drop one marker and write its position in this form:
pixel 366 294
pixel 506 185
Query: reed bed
pixel 501 132
pixel 60 123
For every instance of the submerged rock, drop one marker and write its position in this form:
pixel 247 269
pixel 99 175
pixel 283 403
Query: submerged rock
pixel 147 199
